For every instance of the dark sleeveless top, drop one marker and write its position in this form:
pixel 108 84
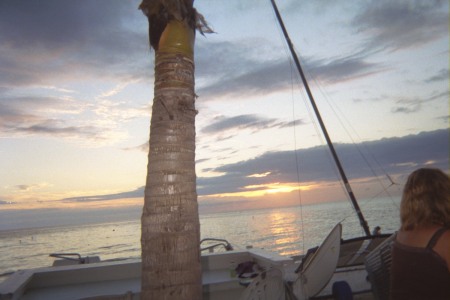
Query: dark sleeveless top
pixel 419 273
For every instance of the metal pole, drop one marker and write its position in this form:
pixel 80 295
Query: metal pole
pixel 362 221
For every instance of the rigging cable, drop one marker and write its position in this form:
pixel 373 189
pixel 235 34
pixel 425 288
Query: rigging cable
pixel 340 117
pixel 295 79
pixel 363 222
pixel 297 159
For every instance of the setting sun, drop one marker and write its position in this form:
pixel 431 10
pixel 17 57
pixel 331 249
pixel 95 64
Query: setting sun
pixel 264 189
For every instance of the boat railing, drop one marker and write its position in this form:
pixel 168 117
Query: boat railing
pixel 217 243
pixel 378 266
pixel 72 258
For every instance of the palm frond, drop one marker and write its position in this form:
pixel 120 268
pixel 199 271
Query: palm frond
pixel 201 24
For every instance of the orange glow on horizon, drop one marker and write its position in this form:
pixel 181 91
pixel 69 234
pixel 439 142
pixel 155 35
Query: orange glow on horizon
pixel 265 189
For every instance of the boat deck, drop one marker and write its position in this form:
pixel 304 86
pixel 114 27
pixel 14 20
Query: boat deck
pixel 121 280
pixel 354 251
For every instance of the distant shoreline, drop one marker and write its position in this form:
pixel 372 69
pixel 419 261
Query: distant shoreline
pixel 16 220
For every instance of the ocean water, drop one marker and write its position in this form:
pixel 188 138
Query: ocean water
pixel 287 231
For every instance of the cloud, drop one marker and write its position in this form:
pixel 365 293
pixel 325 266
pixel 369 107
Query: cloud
pixel 139 192
pixel 444 118
pixel 385 157
pixel 64 115
pixel 240 122
pixel 397 25
pixel 245 70
pixel 408 107
pixel 245 74
pixel 440 76
pixel 241 70
pixel 46 116
pixel 53 52
pixel 344 69
pixel 414 105
pixel 57 40
pixel 2 202
pixel 394 155
pixel 24 187
pixel 386 25
pixel 143 148
pixel 28 187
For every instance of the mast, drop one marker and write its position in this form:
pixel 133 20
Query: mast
pixel 362 221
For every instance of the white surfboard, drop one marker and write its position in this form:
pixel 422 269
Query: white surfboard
pixel 320 268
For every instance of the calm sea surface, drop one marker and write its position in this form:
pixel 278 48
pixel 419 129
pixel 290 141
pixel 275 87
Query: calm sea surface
pixel 287 231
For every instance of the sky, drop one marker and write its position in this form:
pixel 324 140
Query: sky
pixel 76 89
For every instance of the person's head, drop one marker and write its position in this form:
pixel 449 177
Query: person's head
pixel 426 199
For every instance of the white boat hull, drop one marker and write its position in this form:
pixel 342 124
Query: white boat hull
pixel 122 279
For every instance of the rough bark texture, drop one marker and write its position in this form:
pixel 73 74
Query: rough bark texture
pixel 170 238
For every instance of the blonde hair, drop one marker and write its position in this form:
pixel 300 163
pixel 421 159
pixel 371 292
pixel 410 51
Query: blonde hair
pixel 426 199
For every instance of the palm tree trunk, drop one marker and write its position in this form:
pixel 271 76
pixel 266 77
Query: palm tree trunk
pixel 170 223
